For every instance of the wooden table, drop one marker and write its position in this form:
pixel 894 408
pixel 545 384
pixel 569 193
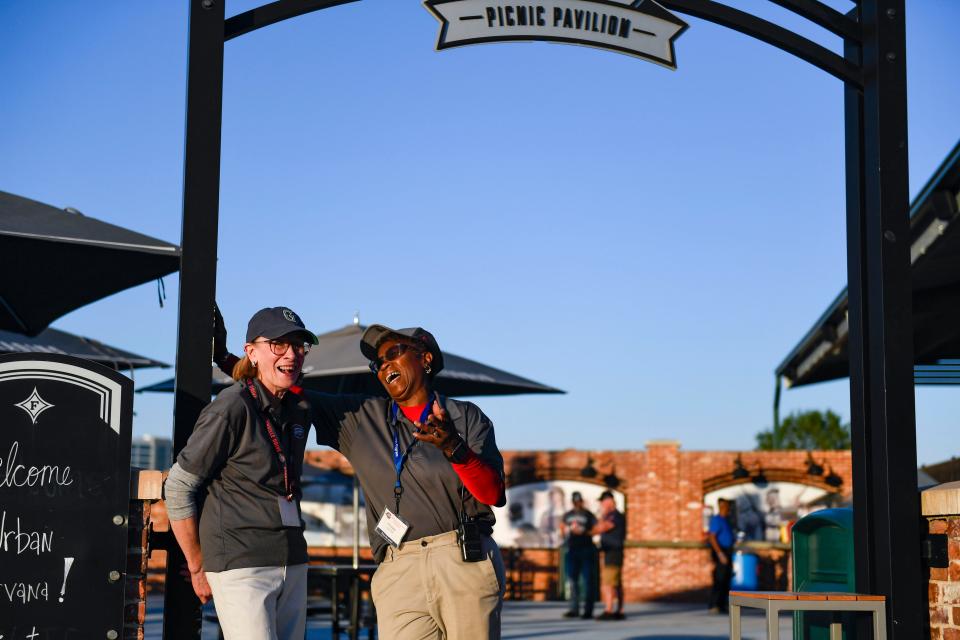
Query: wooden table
pixel 773 602
pixel 334 571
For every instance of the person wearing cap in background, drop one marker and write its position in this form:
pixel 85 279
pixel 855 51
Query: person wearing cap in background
pixel 720 537
pixel 425 463
pixel 612 529
pixel 244 544
pixel 581 559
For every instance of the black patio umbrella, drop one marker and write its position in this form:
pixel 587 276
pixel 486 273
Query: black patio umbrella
pixel 335 365
pixel 56 341
pixel 53 261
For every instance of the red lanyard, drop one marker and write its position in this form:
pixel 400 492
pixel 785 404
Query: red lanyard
pixel 276 445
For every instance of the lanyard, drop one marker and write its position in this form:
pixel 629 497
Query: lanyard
pixel 400 458
pixel 275 441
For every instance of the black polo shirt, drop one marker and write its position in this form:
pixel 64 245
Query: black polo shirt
pixel 612 541
pixel 586 521
pixel 239 515
pixel 362 427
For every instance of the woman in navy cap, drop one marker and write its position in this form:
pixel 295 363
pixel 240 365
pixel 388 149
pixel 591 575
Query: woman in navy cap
pixel 245 546
pixel 430 470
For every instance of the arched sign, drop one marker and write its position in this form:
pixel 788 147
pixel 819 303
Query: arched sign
pixel 65 427
pixel 636 27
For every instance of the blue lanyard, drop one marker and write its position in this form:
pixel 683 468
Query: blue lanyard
pixel 400 458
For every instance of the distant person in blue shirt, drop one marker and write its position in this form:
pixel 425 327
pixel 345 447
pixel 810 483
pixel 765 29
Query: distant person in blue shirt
pixel 720 537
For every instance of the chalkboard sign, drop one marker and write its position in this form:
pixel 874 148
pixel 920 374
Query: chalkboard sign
pixel 65 427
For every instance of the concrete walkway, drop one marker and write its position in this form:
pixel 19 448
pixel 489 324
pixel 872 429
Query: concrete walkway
pixel 543 620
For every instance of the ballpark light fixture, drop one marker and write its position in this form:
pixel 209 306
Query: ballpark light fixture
pixel 760 478
pixel 588 471
pixel 611 480
pixel 813 468
pixel 739 471
pixel 833 479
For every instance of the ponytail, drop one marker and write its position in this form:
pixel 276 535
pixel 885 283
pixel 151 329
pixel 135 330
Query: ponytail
pixel 244 369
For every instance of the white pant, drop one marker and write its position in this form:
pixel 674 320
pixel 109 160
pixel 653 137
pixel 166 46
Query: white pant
pixel 261 603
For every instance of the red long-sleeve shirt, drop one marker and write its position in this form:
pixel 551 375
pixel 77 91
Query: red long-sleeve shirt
pixel 480 479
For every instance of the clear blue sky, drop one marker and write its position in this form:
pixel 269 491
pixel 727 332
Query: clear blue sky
pixel 654 242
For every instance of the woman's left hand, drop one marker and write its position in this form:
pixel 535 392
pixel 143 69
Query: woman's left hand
pixel 438 430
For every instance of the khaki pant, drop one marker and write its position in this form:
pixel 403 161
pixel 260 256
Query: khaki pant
pixel 261 603
pixel 611 575
pixel 425 591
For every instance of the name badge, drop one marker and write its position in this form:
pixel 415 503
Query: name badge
pixel 392 528
pixel 289 512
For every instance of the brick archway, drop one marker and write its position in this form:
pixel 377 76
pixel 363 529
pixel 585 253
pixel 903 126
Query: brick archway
pixel 568 465
pixel 796 476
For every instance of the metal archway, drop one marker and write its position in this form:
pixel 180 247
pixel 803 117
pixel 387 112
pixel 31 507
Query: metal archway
pixel 873 70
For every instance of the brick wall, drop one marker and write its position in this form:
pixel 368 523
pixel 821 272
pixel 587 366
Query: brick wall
pixel 663 487
pixel 941 508
pixel 145 492
pixel 135 598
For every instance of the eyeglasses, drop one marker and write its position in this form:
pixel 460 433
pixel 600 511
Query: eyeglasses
pixel 279 347
pixel 392 354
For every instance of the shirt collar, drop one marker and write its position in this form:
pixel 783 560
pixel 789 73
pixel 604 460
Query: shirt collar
pixel 266 400
pixel 452 411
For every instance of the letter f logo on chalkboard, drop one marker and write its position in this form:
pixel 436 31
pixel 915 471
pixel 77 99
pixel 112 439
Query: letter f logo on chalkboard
pixel 34 405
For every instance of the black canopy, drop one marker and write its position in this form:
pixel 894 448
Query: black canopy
pixel 935 255
pixel 55 260
pixel 56 341
pixel 335 365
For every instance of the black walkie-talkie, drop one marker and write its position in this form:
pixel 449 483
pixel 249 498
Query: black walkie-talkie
pixel 468 533
pixel 470 538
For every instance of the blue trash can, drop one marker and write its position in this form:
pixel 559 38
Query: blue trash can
pixel 745 570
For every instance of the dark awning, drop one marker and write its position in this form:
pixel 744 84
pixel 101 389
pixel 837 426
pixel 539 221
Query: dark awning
pixel 56 341
pixel 935 257
pixel 53 261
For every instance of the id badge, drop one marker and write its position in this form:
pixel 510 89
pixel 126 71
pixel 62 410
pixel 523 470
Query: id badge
pixel 392 528
pixel 289 512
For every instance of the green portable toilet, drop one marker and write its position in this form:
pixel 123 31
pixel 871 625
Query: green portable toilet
pixel 822 562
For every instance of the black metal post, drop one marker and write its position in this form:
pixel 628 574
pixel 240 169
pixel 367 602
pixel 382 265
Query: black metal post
pixel 886 501
pixel 198 270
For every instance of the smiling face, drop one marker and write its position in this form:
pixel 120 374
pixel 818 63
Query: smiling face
pixel 276 372
pixel 404 377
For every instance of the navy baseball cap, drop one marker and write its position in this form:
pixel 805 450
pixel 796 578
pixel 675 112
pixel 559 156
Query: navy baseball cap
pixel 377 333
pixel 275 322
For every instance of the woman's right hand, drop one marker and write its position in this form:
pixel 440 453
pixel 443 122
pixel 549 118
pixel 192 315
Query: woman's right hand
pixel 198 580
pixel 200 586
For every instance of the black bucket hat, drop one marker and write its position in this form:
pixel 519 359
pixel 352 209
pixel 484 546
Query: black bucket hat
pixel 274 322
pixel 377 333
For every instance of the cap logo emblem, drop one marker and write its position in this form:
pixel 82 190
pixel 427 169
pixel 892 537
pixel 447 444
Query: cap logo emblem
pixel 289 315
